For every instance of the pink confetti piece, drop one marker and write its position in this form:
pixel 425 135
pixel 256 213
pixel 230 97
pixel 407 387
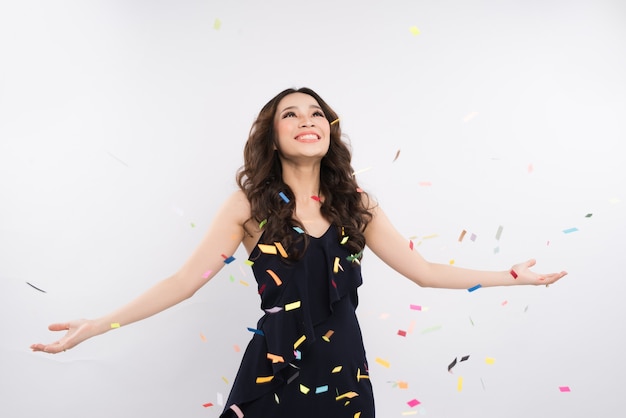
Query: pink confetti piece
pixel 413 403
pixel 564 389
pixel 425 183
pixel 415 307
pixel 473 237
pixel 411 244
pixel 206 274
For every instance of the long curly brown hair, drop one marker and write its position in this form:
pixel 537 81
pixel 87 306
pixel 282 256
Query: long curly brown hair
pixel 261 180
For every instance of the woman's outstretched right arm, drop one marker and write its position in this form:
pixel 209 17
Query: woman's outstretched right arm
pixel 223 237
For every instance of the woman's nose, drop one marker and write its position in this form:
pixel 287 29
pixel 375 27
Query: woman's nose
pixel 306 122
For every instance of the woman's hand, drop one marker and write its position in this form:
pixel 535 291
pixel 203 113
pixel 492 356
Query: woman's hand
pixel 522 273
pixel 77 332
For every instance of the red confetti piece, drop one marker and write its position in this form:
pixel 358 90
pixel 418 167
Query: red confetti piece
pixel 411 244
pixel 316 198
pixel 206 405
pixel 401 333
pixel 513 273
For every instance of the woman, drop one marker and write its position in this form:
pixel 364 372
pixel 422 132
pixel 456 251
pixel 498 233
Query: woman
pixel 304 222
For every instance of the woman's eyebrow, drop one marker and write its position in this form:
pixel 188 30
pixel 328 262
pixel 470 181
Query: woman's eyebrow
pixel 296 107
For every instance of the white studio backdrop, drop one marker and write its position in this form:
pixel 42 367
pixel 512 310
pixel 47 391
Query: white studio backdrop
pixel 122 124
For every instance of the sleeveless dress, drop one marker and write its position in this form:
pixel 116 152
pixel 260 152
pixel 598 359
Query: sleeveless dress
pixel 306 357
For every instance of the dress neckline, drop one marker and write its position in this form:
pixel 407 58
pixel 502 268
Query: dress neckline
pixel 321 236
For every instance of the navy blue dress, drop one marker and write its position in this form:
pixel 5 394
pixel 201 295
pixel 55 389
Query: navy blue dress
pixel 306 358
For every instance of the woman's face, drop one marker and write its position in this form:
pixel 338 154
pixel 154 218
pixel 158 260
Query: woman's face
pixel 301 127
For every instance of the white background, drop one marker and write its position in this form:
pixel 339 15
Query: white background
pixel 122 124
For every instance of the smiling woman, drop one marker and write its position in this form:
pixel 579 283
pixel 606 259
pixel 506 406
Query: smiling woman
pixel 304 223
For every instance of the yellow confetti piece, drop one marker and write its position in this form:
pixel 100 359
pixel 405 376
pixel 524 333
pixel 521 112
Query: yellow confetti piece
pixel 217 24
pixel 451 262
pixel 344 239
pixel 275 358
pixel 459 385
pixel 326 337
pixel 115 325
pixel 382 362
pixel 202 337
pixel 281 249
pixel 264 379
pixel 276 398
pixel 300 341
pixel 292 305
pixel 304 389
pixel 335 121
pixel 336 265
pixel 357 415
pixel 414 30
pixel 267 248
pixel 225 380
pixel 409 413
pixel 275 277
pixel 244 283
pixel 337 369
pixel 490 360
pixel 249 263
pixel 360 376
pixel 348 395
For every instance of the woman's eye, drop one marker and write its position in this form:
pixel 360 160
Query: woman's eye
pixel 289 115
pixel 319 113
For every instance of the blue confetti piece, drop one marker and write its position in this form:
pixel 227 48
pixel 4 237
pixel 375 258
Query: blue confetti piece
pixel 284 197
pixel 229 260
pixel 298 230
pixel 256 331
pixel 297 354
pixel 471 289
pixel 567 231
pixel 321 389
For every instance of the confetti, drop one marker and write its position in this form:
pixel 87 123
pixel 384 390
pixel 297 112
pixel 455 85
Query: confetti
pixel 275 277
pixel 336 265
pixel 470 116
pixel 382 362
pixel 499 232
pixel 463 232
pixel 335 121
pixel 473 237
pixel 275 309
pixel 361 171
pixel 298 230
pixel 360 376
pixel 459 384
pixel 490 360
pixel 316 198
pixel 425 183
pixel 401 333
pixel 471 322
pixel 284 197
pixel 264 379
pixel 262 288
pixel 337 369
pixel 589 215
pixel 403 385
pixel 344 240
pixel 431 329
pixel 451 365
pixel 415 307
pixel 256 331
pixel 530 168
pixel 348 395
pixel 299 341
pixel 36 288
pixel 293 305
pixel 326 337
pixel 262 223
pixel 471 289
pixel 413 403
pixel 570 230
pixel 243 282
pixel 249 263
pixel 115 325
pixel 281 249
pixel 513 273
pixel 292 378
pixel 464 358
pixel 304 389
pixel 217 24
pixel 268 248
pixel 321 389
pixel 202 337
pixel 411 245
pixel 206 274
pixel 396 157
pixel 236 348
pixel 357 415
pixel 206 405
pixel 414 30
pixel 228 260
pixel 225 380
pixel 276 398
pixel 504 303
pixel 297 354
pixel 275 358
pixel 564 389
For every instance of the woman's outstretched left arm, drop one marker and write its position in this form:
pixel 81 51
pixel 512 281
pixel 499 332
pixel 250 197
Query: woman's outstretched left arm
pixel 393 249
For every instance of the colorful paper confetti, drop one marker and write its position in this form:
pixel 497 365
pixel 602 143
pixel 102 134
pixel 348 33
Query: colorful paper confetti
pixel 115 325
pixel 463 232
pixel 382 362
pixel 414 30
pixel 473 288
pixel 499 232
pixel 284 197
pixel 36 288
pixel 564 389
pixel 217 24
pixel 570 230
pixel 413 403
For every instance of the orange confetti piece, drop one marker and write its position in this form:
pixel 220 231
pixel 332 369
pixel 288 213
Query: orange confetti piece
pixel 396 157
pixel 403 385
pixel 348 395
pixel 275 277
pixel 236 348
pixel 202 337
pixel 281 249
pixel 326 337
pixel 275 358
pixel 264 379
pixel 463 232
pixel 267 248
